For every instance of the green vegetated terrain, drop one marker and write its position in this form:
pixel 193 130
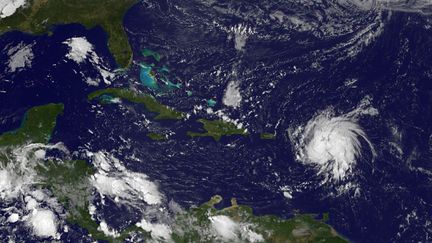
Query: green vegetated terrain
pixel 156 136
pixel 195 225
pixel 36 127
pixel 151 104
pixel 69 181
pixel 41 15
pixel 218 128
pixel 267 136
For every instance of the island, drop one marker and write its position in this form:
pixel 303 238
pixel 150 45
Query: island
pixel 218 128
pixel 151 104
pixel 39 16
pixel 267 136
pixel 156 136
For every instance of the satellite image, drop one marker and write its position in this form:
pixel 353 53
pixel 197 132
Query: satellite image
pixel 216 121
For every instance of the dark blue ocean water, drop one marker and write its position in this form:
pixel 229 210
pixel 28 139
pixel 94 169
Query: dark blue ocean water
pixel 395 70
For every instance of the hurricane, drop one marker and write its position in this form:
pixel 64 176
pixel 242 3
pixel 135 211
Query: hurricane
pixel 333 144
pixel 216 121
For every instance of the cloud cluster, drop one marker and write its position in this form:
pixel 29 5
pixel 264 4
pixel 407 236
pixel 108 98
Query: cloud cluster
pixel 331 143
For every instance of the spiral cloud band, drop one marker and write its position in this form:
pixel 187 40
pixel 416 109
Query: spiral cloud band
pixel 332 144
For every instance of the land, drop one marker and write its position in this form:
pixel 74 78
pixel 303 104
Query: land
pixel 41 15
pixel 156 136
pixel 70 184
pixel 36 127
pixel 218 128
pixel 267 136
pixel 151 104
pixel 69 181
pixel 195 225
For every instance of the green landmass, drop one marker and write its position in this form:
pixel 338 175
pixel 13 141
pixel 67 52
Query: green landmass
pixel 156 136
pixel 267 136
pixel 66 180
pixel 41 15
pixel 151 104
pixel 195 225
pixel 69 182
pixel 218 128
pixel 36 127
pixel 106 99
pixel 326 217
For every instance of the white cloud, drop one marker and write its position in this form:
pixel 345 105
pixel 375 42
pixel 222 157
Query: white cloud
pixel 251 235
pixel 158 231
pixel 114 180
pixel 240 32
pixel 13 218
pixel 287 192
pixel 225 227
pixel 40 154
pixel 229 231
pixel 92 81
pixel 18 174
pixel 80 49
pixel 43 223
pixel 6 187
pixel 232 95
pixel 17 184
pixel 107 230
pixel 31 203
pixel 9 7
pixel 333 143
pixel 20 56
